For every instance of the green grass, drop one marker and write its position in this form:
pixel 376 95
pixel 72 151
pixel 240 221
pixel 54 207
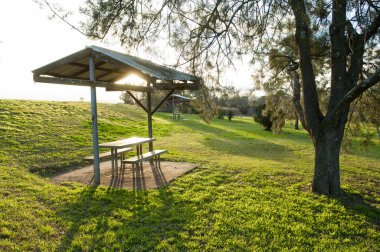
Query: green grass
pixel 251 191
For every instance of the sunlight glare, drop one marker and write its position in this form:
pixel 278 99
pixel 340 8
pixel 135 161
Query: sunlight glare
pixel 132 79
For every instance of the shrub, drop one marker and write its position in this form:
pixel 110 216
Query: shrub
pixel 263 119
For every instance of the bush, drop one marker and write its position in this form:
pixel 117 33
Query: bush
pixel 230 114
pixel 221 113
pixel 263 119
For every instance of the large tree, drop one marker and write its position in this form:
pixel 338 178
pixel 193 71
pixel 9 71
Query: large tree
pixel 210 33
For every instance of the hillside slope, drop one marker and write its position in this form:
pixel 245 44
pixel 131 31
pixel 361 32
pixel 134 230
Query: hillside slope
pixel 250 193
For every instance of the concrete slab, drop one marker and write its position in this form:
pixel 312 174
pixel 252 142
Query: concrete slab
pixel 148 177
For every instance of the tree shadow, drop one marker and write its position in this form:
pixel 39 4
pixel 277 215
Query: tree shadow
pixel 141 177
pixel 251 148
pixel 356 203
pixel 239 140
pixel 117 219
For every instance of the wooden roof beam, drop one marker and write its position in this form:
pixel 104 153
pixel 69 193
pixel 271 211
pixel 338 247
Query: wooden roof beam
pixel 127 87
pixel 69 81
pixel 80 82
pixel 175 86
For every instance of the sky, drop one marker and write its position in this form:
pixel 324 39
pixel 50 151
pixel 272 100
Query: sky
pixel 29 40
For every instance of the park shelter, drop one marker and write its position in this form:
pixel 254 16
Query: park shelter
pixel 99 67
pixel 175 100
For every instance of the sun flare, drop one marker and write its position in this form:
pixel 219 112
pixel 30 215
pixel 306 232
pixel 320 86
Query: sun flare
pixel 131 79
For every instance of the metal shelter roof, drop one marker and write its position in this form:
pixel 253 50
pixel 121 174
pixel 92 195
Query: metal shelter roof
pixel 179 98
pixel 111 66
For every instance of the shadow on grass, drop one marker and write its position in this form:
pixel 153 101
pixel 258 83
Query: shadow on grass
pixel 239 138
pixel 252 148
pixel 356 203
pixel 139 180
pixel 115 219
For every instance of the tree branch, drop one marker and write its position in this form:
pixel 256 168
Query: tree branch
pixel 297 97
pixel 356 44
pixel 354 93
pixel 372 28
pixel 312 112
pixel 64 19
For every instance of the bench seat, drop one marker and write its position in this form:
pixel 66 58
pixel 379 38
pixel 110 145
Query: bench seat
pixel 136 159
pixel 105 155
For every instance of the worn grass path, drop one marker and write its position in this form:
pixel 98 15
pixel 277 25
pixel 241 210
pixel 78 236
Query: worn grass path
pixel 251 192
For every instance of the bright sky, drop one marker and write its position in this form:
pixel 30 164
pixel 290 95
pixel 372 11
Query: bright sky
pixel 29 40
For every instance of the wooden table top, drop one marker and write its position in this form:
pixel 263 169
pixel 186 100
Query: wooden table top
pixel 128 142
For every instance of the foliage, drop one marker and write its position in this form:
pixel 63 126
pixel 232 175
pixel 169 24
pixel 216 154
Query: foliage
pixel 229 97
pixel 221 113
pixel 254 196
pixel 230 114
pixel 368 108
pixel 263 117
pixel 206 107
pixel 364 116
pixel 127 99
pixel 278 107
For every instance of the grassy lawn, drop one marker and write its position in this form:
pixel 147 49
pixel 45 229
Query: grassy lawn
pixel 251 191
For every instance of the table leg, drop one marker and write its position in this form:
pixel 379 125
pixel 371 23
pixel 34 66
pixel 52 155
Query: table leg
pixel 140 151
pixel 138 154
pixel 116 165
pixel 112 161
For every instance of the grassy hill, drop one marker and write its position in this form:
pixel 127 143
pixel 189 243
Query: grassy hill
pixel 250 193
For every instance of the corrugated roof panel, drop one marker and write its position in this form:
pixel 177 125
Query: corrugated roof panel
pixel 155 70
pixel 65 70
pixel 75 66
pixel 180 97
pixel 111 77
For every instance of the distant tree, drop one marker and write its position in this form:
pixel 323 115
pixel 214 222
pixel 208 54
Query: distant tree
pixel 230 114
pixel 278 108
pixel 221 113
pixel 263 118
pixel 229 97
pixel 126 98
pixel 364 119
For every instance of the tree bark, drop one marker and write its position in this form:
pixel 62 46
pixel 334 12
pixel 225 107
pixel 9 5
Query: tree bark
pixel 296 122
pixel 326 168
pixel 327 144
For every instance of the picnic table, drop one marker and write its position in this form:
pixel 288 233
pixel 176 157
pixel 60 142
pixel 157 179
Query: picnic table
pixel 124 143
pixel 177 116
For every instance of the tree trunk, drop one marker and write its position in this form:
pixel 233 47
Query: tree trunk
pixel 326 167
pixel 296 122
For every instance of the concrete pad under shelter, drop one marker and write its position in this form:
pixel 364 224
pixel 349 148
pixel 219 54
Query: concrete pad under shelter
pixel 148 177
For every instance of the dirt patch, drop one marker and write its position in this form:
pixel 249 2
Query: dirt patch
pixel 147 177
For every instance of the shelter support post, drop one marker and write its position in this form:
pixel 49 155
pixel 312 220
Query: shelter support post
pixel 150 127
pixel 95 142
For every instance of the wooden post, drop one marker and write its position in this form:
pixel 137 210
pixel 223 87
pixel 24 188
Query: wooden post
pixel 150 127
pixel 174 108
pixel 95 142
